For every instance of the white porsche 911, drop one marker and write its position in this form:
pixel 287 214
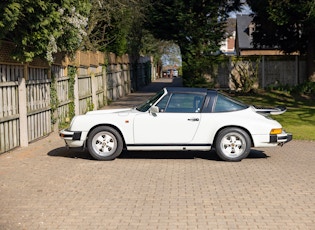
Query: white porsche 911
pixel 178 118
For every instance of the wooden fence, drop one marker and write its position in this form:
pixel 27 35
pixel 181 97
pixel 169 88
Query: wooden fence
pixel 36 98
pixel 9 108
pixel 272 70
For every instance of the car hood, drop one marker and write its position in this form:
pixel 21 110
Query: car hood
pixel 107 111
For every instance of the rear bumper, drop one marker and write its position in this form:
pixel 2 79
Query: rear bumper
pixel 281 138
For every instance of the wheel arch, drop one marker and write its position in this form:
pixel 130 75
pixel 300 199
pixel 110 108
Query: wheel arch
pixel 111 126
pixel 234 126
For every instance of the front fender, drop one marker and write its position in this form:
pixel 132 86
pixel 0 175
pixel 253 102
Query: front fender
pixel 122 122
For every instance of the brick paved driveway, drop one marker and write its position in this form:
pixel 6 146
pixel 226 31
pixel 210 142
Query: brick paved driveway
pixel 46 186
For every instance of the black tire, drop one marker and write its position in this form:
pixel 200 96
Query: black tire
pixel 232 144
pixel 104 143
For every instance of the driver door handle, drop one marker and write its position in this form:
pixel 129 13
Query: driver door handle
pixel 193 119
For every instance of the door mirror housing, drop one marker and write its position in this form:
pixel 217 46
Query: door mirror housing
pixel 154 109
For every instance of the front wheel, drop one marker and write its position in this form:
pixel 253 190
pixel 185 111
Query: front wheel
pixel 232 144
pixel 104 143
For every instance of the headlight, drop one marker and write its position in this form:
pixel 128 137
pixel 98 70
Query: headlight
pixel 276 131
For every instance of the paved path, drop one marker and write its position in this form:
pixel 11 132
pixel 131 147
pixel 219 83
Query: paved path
pixel 46 186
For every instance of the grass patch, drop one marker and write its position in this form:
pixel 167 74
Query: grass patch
pixel 300 116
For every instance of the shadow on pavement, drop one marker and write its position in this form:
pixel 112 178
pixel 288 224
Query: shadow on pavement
pixel 169 155
pixel 256 154
pixel 70 153
pixel 206 155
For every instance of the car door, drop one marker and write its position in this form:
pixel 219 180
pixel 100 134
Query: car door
pixel 176 123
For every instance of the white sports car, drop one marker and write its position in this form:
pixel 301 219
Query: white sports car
pixel 178 118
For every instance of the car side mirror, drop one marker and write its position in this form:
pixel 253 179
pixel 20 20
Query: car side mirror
pixel 154 109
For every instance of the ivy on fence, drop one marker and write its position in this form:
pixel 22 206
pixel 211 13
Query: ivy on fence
pixel 71 74
pixel 54 101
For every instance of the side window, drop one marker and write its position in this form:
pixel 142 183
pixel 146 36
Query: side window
pixel 184 103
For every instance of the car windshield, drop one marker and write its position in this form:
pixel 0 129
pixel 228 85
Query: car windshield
pixel 227 104
pixel 146 105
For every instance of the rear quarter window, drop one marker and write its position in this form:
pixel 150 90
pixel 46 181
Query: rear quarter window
pixel 226 104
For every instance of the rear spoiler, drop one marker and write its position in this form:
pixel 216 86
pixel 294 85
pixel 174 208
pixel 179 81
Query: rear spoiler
pixel 273 111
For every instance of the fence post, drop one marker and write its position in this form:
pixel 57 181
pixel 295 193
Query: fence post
pixel 76 95
pixel 297 70
pixel 230 73
pixel 263 72
pixel 54 108
pixel 23 108
pixel 104 73
pixel 94 89
pixel 152 69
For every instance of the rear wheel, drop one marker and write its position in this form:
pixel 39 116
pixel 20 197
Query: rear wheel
pixel 104 143
pixel 233 144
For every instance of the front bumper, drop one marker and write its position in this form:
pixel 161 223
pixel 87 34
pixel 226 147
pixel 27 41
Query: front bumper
pixel 72 138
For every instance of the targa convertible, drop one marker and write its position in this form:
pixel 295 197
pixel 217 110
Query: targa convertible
pixel 178 118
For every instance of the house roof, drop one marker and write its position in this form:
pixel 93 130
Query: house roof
pixel 244 40
pixel 242 30
pixel 230 26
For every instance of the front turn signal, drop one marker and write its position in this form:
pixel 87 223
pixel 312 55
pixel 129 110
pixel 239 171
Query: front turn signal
pixel 276 131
